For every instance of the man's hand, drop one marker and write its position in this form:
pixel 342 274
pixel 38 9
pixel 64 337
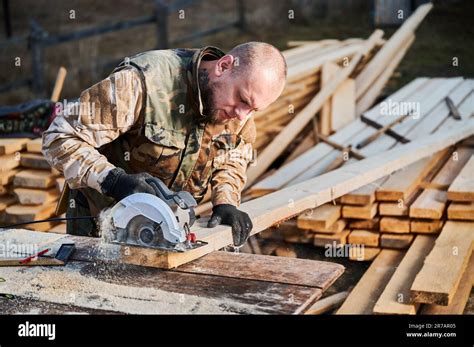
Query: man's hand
pixel 118 184
pixel 239 221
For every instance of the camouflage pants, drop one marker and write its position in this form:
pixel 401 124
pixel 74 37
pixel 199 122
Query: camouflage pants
pixel 85 202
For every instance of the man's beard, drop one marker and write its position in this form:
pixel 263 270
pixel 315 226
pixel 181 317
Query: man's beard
pixel 208 96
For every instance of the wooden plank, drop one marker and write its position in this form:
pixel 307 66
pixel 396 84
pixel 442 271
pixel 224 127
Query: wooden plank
pixel 305 272
pixel 343 107
pixel 6 201
pixel 367 254
pixel 284 138
pixel 426 226
pixel 459 301
pixel 27 196
pixel 395 225
pixel 360 212
pixel 400 208
pixel 395 298
pixel 305 162
pixel 380 61
pixel 34 146
pixel 461 211
pixel 365 294
pixel 428 98
pixel 339 110
pixel 34 179
pixel 275 207
pixel 45 226
pixel 287 251
pixel 9 162
pixel 10 146
pixel 364 237
pixel 328 303
pixel 7 177
pixel 364 195
pixel 25 213
pixel 34 161
pixel 370 224
pixel 329 240
pixel 327 72
pixel 444 267
pixel 462 188
pixel 405 182
pixel 433 111
pixel 310 64
pixel 432 202
pixel 393 209
pixel 337 227
pixel 370 96
pixel 298 236
pixel 321 217
pixel 397 241
pixel 29 305
pixel 154 291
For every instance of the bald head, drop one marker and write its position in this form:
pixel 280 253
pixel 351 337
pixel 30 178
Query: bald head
pixel 249 78
pixel 250 56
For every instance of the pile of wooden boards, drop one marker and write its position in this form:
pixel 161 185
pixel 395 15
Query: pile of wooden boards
pixel 347 87
pixel 330 83
pixel 29 187
pixel 389 212
pixel 434 276
pixel 309 67
pixel 412 201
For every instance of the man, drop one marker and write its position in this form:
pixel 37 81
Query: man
pixel 181 115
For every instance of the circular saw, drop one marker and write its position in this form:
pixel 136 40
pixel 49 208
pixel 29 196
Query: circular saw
pixel 160 221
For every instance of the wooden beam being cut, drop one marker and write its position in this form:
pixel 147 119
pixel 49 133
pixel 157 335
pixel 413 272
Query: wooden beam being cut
pixel 286 203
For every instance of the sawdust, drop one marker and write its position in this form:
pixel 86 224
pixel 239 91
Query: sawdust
pixel 67 285
pixel 106 226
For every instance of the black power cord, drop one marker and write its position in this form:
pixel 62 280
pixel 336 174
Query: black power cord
pixel 59 219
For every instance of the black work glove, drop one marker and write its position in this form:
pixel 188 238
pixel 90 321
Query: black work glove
pixel 239 221
pixel 118 184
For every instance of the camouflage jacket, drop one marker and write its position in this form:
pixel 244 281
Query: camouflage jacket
pixel 147 117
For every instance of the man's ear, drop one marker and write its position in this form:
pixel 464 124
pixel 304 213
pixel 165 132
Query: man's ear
pixel 223 64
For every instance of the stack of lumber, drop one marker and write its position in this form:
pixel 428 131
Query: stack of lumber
pixel 308 67
pixel 330 83
pixel 389 212
pixel 416 223
pixel 30 187
pixel 347 88
pixel 412 201
pixel 434 276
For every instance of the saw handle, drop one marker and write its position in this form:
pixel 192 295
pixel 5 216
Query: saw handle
pixel 183 199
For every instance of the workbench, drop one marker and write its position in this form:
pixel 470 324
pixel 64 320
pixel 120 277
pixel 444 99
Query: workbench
pixel 218 283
